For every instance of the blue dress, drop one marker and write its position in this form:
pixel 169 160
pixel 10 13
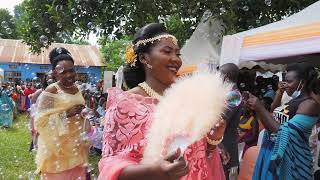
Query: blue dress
pixel 6 110
pixel 272 162
pixel 261 170
pixel 291 157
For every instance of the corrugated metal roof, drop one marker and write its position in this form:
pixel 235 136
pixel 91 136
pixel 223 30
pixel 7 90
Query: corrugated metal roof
pixel 14 51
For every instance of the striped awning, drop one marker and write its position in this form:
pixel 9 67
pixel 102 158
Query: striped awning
pixel 283 35
pixel 14 51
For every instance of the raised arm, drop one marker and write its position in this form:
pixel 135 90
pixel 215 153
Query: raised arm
pixel 264 115
pixel 277 99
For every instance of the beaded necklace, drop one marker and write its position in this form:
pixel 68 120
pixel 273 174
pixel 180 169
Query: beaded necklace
pixel 149 90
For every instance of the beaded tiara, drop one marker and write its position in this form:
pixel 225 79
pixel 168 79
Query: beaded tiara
pixel 131 56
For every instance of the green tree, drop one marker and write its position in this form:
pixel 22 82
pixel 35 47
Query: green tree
pixel 182 30
pixel 117 18
pixel 8 25
pixel 113 52
pixel 39 29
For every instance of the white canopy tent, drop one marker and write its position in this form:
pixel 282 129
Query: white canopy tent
pixel 296 38
pixel 205 43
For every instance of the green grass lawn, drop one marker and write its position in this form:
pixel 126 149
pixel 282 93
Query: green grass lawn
pixel 16 162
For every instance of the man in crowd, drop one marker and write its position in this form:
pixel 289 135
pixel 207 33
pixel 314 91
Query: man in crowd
pixel 229 145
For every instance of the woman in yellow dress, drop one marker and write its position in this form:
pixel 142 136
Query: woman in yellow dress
pixel 62 153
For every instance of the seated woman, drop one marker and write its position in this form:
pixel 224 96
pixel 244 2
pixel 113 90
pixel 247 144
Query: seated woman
pixel 285 152
pixel 152 66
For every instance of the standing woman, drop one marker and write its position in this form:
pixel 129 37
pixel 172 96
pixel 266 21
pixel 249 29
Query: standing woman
pixel 153 60
pixel 26 92
pixel 6 107
pixel 285 152
pixel 21 98
pixel 61 154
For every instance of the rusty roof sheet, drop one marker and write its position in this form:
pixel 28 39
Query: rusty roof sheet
pixel 14 51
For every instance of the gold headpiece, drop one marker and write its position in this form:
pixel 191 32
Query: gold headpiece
pixel 145 41
pixel 131 56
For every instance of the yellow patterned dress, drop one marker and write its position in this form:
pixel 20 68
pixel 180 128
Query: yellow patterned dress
pixel 59 146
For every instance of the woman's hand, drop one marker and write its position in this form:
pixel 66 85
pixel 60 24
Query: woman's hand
pixel 217 132
pixel 253 103
pixel 282 86
pixel 171 167
pixel 75 110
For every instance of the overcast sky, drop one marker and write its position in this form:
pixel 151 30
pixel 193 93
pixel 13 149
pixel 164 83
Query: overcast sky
pixel 9 4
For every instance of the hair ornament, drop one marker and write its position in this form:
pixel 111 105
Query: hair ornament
pixel 156 38
pixel 130 56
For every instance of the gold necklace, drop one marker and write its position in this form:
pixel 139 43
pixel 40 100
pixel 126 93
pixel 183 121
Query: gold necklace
pixel 149 90
pixel 65 87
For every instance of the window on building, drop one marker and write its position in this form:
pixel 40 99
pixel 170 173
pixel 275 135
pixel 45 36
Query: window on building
pixel 83 77
pixel 12 76
pixel 44 67
pixel 12 66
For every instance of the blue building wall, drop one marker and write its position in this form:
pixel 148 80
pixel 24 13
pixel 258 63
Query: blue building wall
pixel 29 71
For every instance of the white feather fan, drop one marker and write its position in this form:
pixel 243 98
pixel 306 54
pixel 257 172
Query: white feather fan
pixel 191 106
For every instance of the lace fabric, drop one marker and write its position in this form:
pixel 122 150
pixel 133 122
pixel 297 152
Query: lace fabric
pixel 59 148
pixel 128 119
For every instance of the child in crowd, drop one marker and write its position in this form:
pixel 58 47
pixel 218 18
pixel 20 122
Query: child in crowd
pixel 249 129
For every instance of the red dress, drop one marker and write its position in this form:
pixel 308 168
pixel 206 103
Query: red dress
pixel 27 92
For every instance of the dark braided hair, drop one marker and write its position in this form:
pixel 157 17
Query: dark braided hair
pixel 308 74
pixel 59 54
pixel 135 75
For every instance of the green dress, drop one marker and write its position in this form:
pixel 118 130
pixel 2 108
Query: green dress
pixel 6 109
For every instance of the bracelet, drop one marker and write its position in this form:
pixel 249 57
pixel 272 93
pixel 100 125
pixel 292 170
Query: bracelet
pixel 214 142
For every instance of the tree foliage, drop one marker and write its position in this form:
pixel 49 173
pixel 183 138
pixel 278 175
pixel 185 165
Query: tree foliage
pixel 116 18
pixel 113 52
pixel 7 25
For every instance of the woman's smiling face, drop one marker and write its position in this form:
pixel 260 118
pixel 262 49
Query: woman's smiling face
pixel 165 60
pixel 68 75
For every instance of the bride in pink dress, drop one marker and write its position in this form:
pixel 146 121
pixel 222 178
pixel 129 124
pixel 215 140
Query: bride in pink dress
pixel 152 65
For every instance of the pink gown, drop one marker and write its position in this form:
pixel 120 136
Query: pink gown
pixel 128 117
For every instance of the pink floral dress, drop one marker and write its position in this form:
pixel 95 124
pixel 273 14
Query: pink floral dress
pixel 128 118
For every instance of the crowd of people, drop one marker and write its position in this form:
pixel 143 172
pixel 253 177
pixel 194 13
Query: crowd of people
pixel 17 97
pixel 275 121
